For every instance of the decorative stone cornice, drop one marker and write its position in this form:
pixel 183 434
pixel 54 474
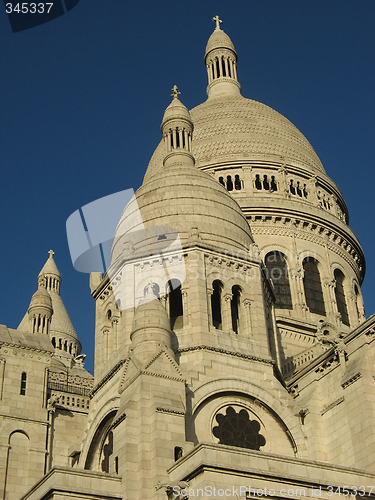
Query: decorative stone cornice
pixel 225 351
pixel 168 410
pixel 13 345
pixel 312 231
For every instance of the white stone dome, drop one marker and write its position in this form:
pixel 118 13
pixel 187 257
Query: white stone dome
pixel 188 201
pixel 233 128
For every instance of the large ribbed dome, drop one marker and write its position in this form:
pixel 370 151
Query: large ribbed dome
pixel 189 201
pixel 231 128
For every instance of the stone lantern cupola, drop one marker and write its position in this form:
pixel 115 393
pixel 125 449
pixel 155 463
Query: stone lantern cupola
pixel 40 310
pixel 177 129
pixel 221 63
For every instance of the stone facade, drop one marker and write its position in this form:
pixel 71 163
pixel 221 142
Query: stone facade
pixel 232 354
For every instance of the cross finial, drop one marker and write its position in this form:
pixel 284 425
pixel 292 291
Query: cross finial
pixel 175 92
pixel 218 21
pixel 51 253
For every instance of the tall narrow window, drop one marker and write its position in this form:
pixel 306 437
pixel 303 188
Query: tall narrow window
pixel 23 384
pixel 340 296
pixel 175 304
pixel 313 287
pixel 216 304
pixel 235 308
pixel 277 272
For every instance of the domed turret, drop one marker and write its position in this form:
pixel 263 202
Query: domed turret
pixel 151 329
pixel 40 310
pixel 221 63
pixel 177 130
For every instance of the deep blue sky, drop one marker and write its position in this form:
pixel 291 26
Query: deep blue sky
pixel 82 97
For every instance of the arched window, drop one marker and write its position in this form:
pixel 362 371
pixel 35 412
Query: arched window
pixel 229 183
pixel 101 447
pixel 175 304
pixel 313 287
pixel 54 341
pixel 23 384
pixel 235 308
pixel 221 180
pixel 237 182
pixel 340 296
pixel 273 183
pixel 109 314
pixel 277 272
pixel 266 184
pixel 258 184
pixel 216 304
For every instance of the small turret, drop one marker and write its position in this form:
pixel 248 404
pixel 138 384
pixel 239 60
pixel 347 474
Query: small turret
pixel 151 328
pixel 40 310
pixel 51 274
pixel 221 63
pixel 177 128
pixel 47 314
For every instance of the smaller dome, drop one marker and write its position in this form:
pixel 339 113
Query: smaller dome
pixel 176 110
pixel 219 40
pixel 41 298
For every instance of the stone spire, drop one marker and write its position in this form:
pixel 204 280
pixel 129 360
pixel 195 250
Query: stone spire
pixel 51 274
pixel 221 63
pixel 47 313
pixel 177 129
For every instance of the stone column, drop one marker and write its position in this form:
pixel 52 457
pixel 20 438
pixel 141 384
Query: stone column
pixel 210 291
pixel 215 68
pixel 2 376
pixel 297 290
pixel 314 191
pixel 226 66
pixel 249 326
pixel 185 308
pixel 248 182
pixel 283 183
pixel 226 312
pixel 115 334
pixel 221 66
pixel 329 296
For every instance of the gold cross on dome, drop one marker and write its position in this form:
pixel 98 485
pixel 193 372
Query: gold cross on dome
pixel 175 92
pixel 218 21
pixel 51 253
